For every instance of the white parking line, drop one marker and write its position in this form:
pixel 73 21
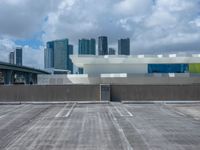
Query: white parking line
pixel 118 111
pixel 180 113
pixel 130 114
pixel 61 111
pixel 123 115
pixel 71 109
pixel 126 143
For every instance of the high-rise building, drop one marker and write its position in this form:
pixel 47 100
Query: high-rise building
pixel 92 47
pixel 69 61
pixel 111 51
pixel 12 58
pixel 57 53
pixel 18 56
pixel 124 46
pixel 83 46
pixel 87 47
pixel 60 54
pixel 49 55
pixel 103 45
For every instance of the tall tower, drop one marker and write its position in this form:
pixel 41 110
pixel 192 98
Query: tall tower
pixel 103 45
pixel 124 46
pixel 87 47
pixel 70 65
pixel 92 46
pixel 12 58
pixel 18 56
pixel 57 53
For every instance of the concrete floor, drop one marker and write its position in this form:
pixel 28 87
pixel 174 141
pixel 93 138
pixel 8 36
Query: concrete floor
pixel 112 126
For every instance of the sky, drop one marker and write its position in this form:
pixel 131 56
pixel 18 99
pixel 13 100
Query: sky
pixel 154 26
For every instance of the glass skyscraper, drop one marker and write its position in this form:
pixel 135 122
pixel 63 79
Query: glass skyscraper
pixel 49 55
pixel 12 58
pixel 87 47
pixel 69 61
pixel 92 47
pixel 124 46
pixel 103 45
pixel 57 53
pixel 18 56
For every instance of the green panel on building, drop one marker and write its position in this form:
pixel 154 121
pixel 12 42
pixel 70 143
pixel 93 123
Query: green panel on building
pixel 194 68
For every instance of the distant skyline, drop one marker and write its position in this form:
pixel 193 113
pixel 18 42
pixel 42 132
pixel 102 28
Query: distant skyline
pixel 153 26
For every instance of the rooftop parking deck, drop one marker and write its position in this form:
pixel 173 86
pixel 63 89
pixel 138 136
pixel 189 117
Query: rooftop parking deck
pixel 100 126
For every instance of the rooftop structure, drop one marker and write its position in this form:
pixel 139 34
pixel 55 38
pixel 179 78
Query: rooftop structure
pixel 139 64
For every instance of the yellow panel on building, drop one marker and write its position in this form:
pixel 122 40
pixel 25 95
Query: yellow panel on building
pixel 194 68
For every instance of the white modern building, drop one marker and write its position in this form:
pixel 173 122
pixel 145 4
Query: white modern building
pixel 140 69
pixel 129 64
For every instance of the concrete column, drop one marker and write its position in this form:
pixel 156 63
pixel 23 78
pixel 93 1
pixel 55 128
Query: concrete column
pixel 8 77
pixel 28 77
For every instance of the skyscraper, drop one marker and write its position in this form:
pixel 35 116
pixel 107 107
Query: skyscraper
pixel 103 45
pixel 83 46
pixel 12 58
pixel 124 46
pixel 87 47
pixel 92 47
pixel 18 56
pixel 111 51
pixel 57 53
pixel 69 61
pixel 60 54
pixel 49 55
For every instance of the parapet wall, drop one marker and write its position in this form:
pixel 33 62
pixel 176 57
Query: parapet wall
pixel 155 92
pixel 51 93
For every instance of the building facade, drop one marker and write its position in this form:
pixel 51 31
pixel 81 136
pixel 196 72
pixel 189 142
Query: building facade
pixel 111 51
pixel 92 47
pixel 87 47
pixel 70 65
pixel 138 65
pixel 12 58
pixel 57 53
pixel 124 46
pixel 103 45
pixel 18 56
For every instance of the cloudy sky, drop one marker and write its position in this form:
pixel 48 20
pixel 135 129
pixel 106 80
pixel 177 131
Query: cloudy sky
pixel 154 26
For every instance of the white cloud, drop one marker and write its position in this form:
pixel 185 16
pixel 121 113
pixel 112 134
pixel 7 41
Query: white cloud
pixel 161 18
pixel 133 7
pixel 31 57
pixel 154 26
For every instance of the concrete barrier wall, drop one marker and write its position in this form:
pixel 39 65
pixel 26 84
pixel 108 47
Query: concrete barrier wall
pixel 155 92
pixel 92 92
pixel 49 93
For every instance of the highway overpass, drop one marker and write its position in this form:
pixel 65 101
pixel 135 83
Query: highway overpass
pixel 14 74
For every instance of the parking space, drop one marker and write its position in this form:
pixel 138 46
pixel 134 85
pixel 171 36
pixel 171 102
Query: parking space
pixel 113 126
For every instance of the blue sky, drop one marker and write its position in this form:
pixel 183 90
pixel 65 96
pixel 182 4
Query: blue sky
pixel 154 26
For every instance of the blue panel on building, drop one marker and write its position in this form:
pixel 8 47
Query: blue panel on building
pixel 168 68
